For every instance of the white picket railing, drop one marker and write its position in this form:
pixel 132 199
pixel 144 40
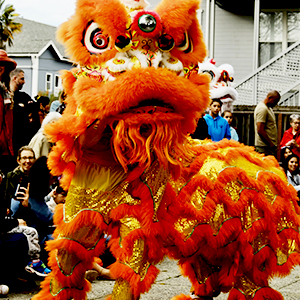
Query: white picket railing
pixel 282 73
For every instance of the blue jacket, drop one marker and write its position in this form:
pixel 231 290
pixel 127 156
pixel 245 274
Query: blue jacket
pixel 218 128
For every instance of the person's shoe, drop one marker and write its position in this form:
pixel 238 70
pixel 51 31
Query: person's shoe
pixel 4 289
pixel 91 275
pixel 38 268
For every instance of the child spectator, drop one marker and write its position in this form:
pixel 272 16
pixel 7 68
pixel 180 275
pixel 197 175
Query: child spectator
pixel 13 250
pixel 35 265
pixel 218 127
pixel 59 196
pixel 228 116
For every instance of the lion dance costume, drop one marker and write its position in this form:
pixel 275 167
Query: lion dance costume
pixel 225 212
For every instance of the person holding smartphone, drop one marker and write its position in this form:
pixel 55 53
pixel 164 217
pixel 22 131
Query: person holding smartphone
pixel 17 180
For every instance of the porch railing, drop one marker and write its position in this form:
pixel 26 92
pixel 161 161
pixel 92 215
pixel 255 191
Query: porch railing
pixel 282 73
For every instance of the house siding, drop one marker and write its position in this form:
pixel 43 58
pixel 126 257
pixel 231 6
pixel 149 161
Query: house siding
pixel 234 42
pixel 49 64
pixel 25 64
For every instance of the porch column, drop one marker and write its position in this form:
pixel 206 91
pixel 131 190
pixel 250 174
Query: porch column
pixel 212 29
pixel 256 34
pixel 255 48
pixel 35 75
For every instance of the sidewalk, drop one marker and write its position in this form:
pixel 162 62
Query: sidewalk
pixel 170 283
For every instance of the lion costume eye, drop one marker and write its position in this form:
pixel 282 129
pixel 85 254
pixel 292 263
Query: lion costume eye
pixel 94 40
pixel 209 72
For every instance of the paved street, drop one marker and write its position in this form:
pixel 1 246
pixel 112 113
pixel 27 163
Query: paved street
pixel 170 283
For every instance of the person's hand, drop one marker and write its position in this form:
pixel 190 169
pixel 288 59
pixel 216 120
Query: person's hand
pixel 23 195
pixel 22 222
pixel 53 192
pixel 290 143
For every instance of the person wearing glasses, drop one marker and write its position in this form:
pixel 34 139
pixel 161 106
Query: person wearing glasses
pixel 19 177
pixel 291 137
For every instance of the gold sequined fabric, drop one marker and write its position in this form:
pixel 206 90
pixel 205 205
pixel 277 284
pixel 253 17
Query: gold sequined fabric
pixel 249 216
pixel 212 167
pixel 218 218
pixel 247 287
pixel 121 290
pixel 66 261
pixel 185 227
pixel 156 179
pixel 137 262
pixel 203 269
pixel 80 199
pixel 198 198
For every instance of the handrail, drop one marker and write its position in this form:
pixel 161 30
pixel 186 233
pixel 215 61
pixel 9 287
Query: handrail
pixel 281 73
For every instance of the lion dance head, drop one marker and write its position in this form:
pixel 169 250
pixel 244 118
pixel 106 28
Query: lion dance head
pixel 137 75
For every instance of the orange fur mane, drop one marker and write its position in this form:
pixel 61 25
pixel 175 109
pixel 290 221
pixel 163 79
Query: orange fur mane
pixel 110 82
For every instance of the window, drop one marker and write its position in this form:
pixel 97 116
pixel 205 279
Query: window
pixel 49 82
pixel 293 27
pixel 270 35
pixel 57 85
pixel 277 31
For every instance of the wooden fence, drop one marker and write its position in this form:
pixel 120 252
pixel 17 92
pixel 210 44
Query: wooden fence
pixel 244 121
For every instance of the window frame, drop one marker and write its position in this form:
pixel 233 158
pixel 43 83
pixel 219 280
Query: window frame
pixel 50 82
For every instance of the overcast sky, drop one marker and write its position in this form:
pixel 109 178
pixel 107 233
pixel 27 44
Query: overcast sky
pixel 50 12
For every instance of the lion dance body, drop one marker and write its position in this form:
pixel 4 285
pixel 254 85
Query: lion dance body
pixel 225 212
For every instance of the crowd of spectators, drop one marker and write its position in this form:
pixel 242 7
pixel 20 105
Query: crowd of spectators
pixel 290 151
pixel 28 192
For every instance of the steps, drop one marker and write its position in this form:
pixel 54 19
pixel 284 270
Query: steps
pixel 282 73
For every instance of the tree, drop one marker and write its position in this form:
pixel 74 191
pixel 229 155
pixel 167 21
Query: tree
pixel 8 26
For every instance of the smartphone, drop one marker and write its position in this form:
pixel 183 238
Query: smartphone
pixel 19 189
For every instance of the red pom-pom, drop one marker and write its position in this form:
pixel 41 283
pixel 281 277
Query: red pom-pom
pixel 147 24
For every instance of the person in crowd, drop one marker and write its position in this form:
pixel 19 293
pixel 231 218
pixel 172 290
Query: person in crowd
pixel 58 196
pixel 6 113
pixel 291 137
pixel 265 125
pixel 35 264
pixel 20 175
pixel 284 153
pixel 21 125
pixel 39 143
pixel 201 132
pixel 30 203
pixel 56 103
pixel 291 167
pixel 44 106
pixel 13 250
pixel 228 116
pixel 33 120
pixel 62 105
pixel 218 127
